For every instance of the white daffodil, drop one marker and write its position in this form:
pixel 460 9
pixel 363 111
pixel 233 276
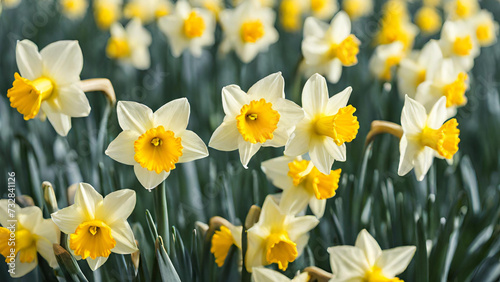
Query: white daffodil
pixel 261 117
pixel 262 274
pixel 223 239
pixel 328 124
pixel 326 48
pixel 24 234
pixel 459 43
pixel 154 142
pixel 461 9
pixel 428 20
pixel 302 184
pixel 107 12
pixel 188 28
pixel 323 9
pixel 214 6
pixel 385 59
pixel 426 136
pixel 396 25
pixel 130 45
pixel 277 237
pixel 74 9
pixel 291 12
pixel 366 261
pixel 413 70
pixel 357 8
pixel 49 84
pixel 248 29
pixel 96 227
pixel 485 27
pixel 147 10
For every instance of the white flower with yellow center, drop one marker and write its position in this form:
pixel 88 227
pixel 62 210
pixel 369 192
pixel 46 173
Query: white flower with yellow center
pixel 291 12
pixel 262 274
pixel 277 237
pixel 428 20
pixel 248 29
pixel 366 261
pixel 458 42
pixel 385 59
pixel 425 136
pixel 49 84
pixel 74 9
pixel 32 234
pixel 357 8
pixel 107 12
pixel 302 184
pixel 188 28
pixel 130 45
pixel 96 227
pixel 485 28
pixel 461 9
pixel 214 6
pixel 261 117
pixel 155 142
pixel 222 241
pixel 328 124
pixel 395 25
pixel 326 48
pixel 147 10
pixel 323 9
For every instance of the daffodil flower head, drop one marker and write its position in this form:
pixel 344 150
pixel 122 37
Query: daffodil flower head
pixel 461 9
pixel 428 20
pixel 49 83
pixel 262 274
pixel 155 142
pixel 485 27
pixel 385 59
pixel 426 136
pixel 222 241
pixel 396 26
pixel 458 42
pixel 323 9
pixel 33 235
pixel 147 10
pixel 74 9
pixel 107 12
pixel 261 117
pixel 277 237
pixel 214 6
pixel 357 8
pixel 291 12
pixel 366 261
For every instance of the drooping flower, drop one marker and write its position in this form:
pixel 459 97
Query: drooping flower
pixel 458 43
pixel 107 12
pixel 366 261
pixel 385 59
pixel 29 236
pixel 428 20
pixel 188 28
pixel 461 9
pixel 49 84
pixel 74 9
pixel 277 237
pixel 426 136
pixel 328 124
pixel 147 10
pixel 98 226
pixel 262 274
pixel 357 8
pixel 261 117
pixel 223 239
pixel 323 9
pixel 326 48
pixel 155 142
pixel 485 27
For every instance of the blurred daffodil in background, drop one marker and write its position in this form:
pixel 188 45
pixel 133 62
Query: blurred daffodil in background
pixel 107 12
pixel 147 10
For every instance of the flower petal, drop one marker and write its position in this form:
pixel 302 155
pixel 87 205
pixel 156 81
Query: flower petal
pixel 315 95
pixel 23 268
pixel 262 274
pixel 134 116
pixel 73 101
pixel 174 115
pixel 68 219
pixel 413 116
pixel 233 99
pixel 423 162
pixel 298 144
pixel 301 225
pixel 29 61
pixel 438 114
pixel 60 121
pixel 149 179
pixel 122 148
pixel 317 206
pixel 294 199
pixel 193 147
pixel 225 137
pixel 96 263
pixel 369 246
pixel 87 198
pixel 408 152
pixel 63 61
pixel 338 101
pixel 124 237
pixel 44 247
pixel 116 206
pixel 247 150
pixel 348 262
pixel 395 261
pixel 270 87
pixel 320 156
pixel 340 27
pixel 314 27
pixel 334 70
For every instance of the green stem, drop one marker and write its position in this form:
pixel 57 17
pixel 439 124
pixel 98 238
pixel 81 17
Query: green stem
pixel 161 212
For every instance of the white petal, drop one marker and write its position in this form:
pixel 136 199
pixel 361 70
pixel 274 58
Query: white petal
pixel 122 148
pixel 271 214
pixel 137 32
pixel 134 116
pixel 60 121
pixel 73 101
pixel 336 151
pixel 340 27
pixel 47 229
pixel 96 263
pixel 29 61
pixel 348 262
pixel 338 101
pixel 301 225
pixel 116 206
pixel 247 150
pixel 314 51
pixel 124 237
pixel 174 115
pixel 294 199
pixel 140 58
pixel 277 171
pixel 193 147
pixel 423 162
pixel 408 152
pixel 430 54
pixel 315 95
pixel 233 99
pixel 68 219
pixel 87 198
pixel 314 27
pixel 438 114
pixel 44 247
pixel 29 217
pixel 317 206
pixel 255 253
pixel 334 71
pixel 369 246
pixel 394 261
pixel 22 268
pixel 149 179
pixel 63 61
pixel 299 140
pixel 270 87
pixel 225 137
pixel 261 274
pixel 413 116
pixel 4 214
pixel 320 156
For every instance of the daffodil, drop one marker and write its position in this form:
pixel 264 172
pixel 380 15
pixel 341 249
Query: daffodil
pixel 328 124
pixel 323 9
pixel 261 117
pixel 326 48
pixel 291 12
pixel 366 261
pixel 24 235
pixel 426 136
pixel 277 237
pixel 428 20
pixel 74 9
pixel 459 43
pixel 98 226
pixel 302 184
pixel 147 10
pixel 188 28
pixel 357 8
pixel 262 274
pixel 385 59
pixel 214 6
pixel 248 30
pixel 461 9
pixel 49 84
pixel 395 25
pixel 485 27
pixel 107 12
pixel 222 241
pixel 155 142
pixel 130 45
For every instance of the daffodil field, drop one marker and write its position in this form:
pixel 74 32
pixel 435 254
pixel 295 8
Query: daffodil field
pixel 250 140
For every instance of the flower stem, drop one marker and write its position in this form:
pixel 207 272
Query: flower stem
pixel 100 84
pixel 380 126
pixel 161 212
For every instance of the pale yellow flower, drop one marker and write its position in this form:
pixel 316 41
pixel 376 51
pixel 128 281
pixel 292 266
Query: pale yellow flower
pixel 74 9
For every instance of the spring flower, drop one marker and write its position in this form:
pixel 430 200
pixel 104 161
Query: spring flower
pixel 223 239
pixel 357 8
pixel 107 12
pixel 426 136
pixel 49 84
pixel 96 227
pixel 291 14
pixel 302 184
pixel 248 30
pixel 129 45
pixel 74 9
pixel 461 9
pixel 458 43
pixel 261 117
pixel 396 26
pixel 147 10
pixel 428 20
pixel 323 9
pixel 214 6
pixel 326 48
pixel 277 237
pixel 32 234
pixel 188 28
pixel 485 27
pixel 328 124
pixel 262 274
pixel 385 59
pixel 366 261
pixel 155 142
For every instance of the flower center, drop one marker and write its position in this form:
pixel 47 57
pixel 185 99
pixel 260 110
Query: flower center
pixel 428 19
pixel 251 31
pixel 342 127
pixel 222 241
pixel 105 15
pixel 484 33
pixel 194 25
pixel 118 48
pixel 280 249
pixel 92 239
pixel 444 140
pixel 346 51
pixel 392 30
pixel 455 91
pixel 73 6
pixel 353 8
pixel 390 62
pixel 421 76
pixel 462 9
pixel 158 150
pixel 318 5
pixel 462 45
pixel 25 244
pixel 290 15
pixel 375 275
pixel 27 96
pixel 322 185
pixel 257 121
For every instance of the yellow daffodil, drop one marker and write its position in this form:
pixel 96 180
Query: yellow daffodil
pixel 366 261
pixel 261 117
pixel 302 184
pixel 461 9
pixel 428 20
pixel 10 4
pixel 291 12
pixel 323 9
pixel 262 274
pixel 357 8
pixel 147 10
pixel 277 237
pixel 155 142
pixel 98 226
pixel 74 9
pixel 485 28
pixel 223 239
pixel 107 12
pixel 326 48
pixel 395 25
pixel 248 30
pixel 426 136
pixel 49 84
pixel 385 59
pixel 458 42
pixel 129 45
pixel 328 124
pixel 188 28
pixel 25 234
